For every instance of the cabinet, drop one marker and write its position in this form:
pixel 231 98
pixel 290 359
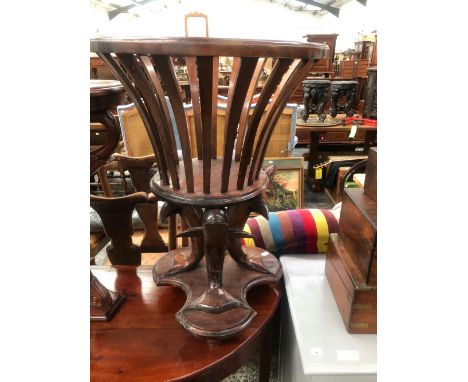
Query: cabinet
pixel 324 65
pixel 370 105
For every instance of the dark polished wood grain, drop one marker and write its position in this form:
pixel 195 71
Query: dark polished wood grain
pixel 104 96
pixel 144 343
pixel 215 204
pixel 140 169
pixel 351 265
pixel 200 46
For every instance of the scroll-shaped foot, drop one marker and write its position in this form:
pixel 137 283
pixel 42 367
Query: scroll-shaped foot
pixel 215 300
pixel 184 261
pixel 217 311
pixel 252 262
pixel 187 259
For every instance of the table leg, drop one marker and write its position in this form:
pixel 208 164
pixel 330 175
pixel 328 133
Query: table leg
pixel 370 140
pixel 313 152
pixel 172 231
pixel 106 187
pixel 264 359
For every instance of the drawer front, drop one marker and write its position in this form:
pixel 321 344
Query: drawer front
pixel 341 136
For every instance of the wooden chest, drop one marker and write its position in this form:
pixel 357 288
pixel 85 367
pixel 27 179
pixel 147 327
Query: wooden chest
pixel 358 222
pixel 351 265
pixel 356 300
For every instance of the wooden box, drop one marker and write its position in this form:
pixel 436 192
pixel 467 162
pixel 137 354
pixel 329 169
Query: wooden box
pixel 356 300
pixel 358 222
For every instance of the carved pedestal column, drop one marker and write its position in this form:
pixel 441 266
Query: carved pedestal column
pixel 346 90
pixel 216 285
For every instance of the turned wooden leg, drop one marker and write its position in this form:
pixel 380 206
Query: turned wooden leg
pixel 172 232
pixel 322 97
pixel 106 187
pixel 334 102
pixel 350 100
pixel 116 216
pixel 264 359
pixel 307 100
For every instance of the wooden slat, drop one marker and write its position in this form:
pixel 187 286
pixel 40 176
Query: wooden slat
pixel 271 84
pixel 205 80
pixel 233 112
pixel 161 99
pixel 144 113
pixel 246 107
pixel 214 118
pixel 195 96
pixel 163 65
pixel 142 84
pixel 296 73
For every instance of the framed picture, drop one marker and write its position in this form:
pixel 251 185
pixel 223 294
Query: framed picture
pixel 286 192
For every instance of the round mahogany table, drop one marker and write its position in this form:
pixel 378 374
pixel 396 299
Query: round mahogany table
pixel 144 341
pixel 105 95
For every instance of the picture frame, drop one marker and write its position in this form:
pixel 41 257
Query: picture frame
pixel 287 189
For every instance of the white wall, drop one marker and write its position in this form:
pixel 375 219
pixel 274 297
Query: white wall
pixel 260 19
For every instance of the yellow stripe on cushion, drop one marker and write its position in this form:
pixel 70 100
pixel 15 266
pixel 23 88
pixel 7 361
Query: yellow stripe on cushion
pixel 248 241
pixel 322 230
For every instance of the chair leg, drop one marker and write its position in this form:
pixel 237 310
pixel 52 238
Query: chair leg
pixel 172 231
pixel 122 177
pixel 106 187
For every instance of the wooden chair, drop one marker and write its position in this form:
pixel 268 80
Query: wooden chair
pixel 282 140
pixel 213 193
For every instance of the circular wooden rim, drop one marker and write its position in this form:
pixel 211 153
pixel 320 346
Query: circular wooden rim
pixel 104 87
pixel 203 46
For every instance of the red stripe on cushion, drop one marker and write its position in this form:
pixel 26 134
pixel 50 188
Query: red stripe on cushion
pixel 310 229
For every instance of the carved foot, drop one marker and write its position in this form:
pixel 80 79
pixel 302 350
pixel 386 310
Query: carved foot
pixel 245 258
pixel 217 311
pixel 215 300
pixel 184 260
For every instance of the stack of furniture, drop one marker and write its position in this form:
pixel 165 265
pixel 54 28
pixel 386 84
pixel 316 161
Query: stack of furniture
pixel 370 106
pixel 351 266
pixel 325 65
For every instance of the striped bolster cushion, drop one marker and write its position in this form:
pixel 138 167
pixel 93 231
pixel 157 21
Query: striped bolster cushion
pixel 303 231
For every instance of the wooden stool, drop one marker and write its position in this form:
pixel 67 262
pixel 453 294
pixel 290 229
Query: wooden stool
pixel 346 89
pixel 315 95
pixel 213 194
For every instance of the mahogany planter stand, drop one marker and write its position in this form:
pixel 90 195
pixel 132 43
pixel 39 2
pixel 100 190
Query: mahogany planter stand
pixel 213 194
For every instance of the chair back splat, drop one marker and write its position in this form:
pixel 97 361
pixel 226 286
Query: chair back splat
pixel 214 192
